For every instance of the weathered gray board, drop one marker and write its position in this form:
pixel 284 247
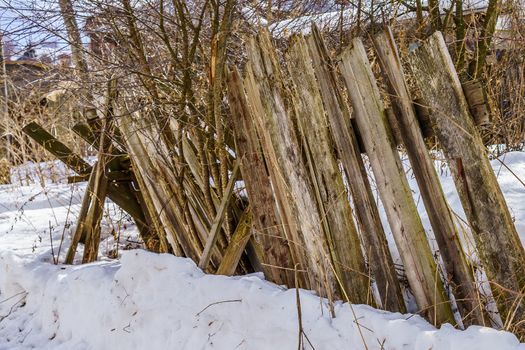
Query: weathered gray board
pixel 497 240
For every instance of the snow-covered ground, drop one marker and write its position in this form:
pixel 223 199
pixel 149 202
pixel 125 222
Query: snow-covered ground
pixel 150 301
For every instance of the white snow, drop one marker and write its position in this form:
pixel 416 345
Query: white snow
pixel 331 20
pixel 150 301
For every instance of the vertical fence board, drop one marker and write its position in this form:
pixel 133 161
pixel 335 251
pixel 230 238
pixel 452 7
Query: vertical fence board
pixel 376 246
pixel 278 263
pixel 287 211
pixel 280 140
pixel 335 209
pixel 420 267
pixel 458 270
pixel 499 246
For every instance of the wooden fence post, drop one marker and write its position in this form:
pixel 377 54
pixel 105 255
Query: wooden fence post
pixel 457 268
pixel 497 240
pixel 278 262
pixel 339 227
pixel 409 234
pixel 268 97
pixel 338 114
pixel 79 231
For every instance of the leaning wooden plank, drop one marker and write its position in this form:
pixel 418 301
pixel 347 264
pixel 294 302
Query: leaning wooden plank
pixel 142 163
pixel 57 148
pixel 177 204
pixel 118 161
pixel 191 158
pixel 498 243
pixel 154 236
pixel 408 231
pixel 376 246
pixel 196 189
pixel 100 189
pixel 121 194
pixel 81 220
pixel 219 218
pixel 268 231
pixel 158 176
pixel 237 244
pixel 84 130
pixel 190 155
pixel 95 212
pixel 458 270
pixel 287 211
pixel 340 230
pixel 275 122
pixel 175 194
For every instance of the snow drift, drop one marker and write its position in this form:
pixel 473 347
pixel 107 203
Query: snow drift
pixel 150 301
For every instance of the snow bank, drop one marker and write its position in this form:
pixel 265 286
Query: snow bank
pixel 150 301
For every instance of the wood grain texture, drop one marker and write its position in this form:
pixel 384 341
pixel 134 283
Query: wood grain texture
pixel 269 98
pixel 497 240
pixel 338 224
pixel 458 270
pixel 277 260
pixel 394 191
pixel 380 260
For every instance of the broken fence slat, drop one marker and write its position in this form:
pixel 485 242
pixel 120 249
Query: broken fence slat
pixel 459 271
pixel 379 257
pixel 394 191
pixel 57 148
pixel 498 243
pixel 338 224
pixel 219 218
pixel 239 240
pixel 268 226
pixel 268 96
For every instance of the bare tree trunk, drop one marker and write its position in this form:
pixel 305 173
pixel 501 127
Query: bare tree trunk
pixel 75 41
pixel 477 66
pixel 5 147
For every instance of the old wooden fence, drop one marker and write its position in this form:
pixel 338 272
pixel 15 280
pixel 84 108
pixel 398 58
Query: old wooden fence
pixel 301 125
